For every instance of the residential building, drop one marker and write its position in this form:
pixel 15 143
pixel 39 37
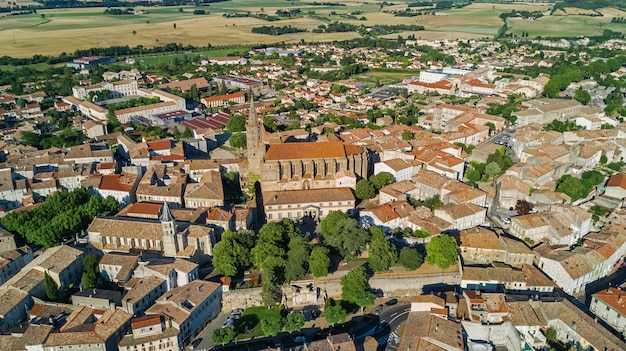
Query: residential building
pixel 117 268
pixel 153 332
pixel 224 100
pixel 142 293
pixel 190 308
pixel 608 305
pixel 503 278
pixel 90 329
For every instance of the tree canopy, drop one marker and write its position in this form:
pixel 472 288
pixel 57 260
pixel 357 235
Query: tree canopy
pixel 271 326
pixel 382 254
pixel 364 189
pixel 319 261
pixel 344 234
pixel 50 287
pixel 442 251
pixel 90 271
pixel 62 215
pixel 410 258
pixel 232 254
pixel 355 287
pixel 335 314
pixel 222 336
pixel 381 179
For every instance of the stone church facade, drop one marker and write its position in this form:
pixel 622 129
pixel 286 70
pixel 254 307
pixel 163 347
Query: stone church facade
pixel 302 165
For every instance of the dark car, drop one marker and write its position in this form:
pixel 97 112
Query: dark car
pixel 195 343
pixel 391 302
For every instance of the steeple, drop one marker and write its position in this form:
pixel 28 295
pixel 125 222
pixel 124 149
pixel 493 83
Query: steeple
pixel 253 120
pixel 166 215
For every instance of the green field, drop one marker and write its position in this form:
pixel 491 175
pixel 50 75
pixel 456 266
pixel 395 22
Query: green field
pixel 80 28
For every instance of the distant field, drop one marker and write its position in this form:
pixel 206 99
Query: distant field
pixel 65 30
pixel 373 77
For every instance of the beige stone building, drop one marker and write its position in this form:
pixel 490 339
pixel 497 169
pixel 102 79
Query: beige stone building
pixel 314 203
pixel 300 165
pixel 122 234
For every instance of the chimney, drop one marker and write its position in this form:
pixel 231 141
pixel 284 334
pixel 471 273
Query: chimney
pixel 619 301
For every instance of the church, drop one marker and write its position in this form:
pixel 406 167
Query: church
pixel 163 235
pixel 302 165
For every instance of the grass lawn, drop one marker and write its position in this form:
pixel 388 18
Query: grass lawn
pixel 251 318
pixel 38 66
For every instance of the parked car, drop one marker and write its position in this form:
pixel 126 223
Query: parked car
pixel 391 302
pixel 299 338
pixel 195 343
pixel 379 309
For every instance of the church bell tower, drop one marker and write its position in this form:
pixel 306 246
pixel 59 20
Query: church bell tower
pixel 254 145
pixel 169 232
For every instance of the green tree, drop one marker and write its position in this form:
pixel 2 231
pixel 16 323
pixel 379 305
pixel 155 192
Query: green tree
pixel 113 124
pixel 236 123
pixel 410 258
pixel 364 189
pixel 335 314
pixel 269 288
pixel 407 135
pixel 187 133
pixel 582 96
pixel 354 287
pixel 232 253
pixel 492 169
pixel 382 254
pixel 90 271
pixel 297 258
pixel 381 179
pixel 348 237
pixel 572 187
pixel 442 251
pixel 319 261
pixel 223 336
pixel 193 93
pixel 293 322
pixel 50 287
pixel 238 140
pixel 592 178
pixel 472 175
pixel 271 326
pixel 551 335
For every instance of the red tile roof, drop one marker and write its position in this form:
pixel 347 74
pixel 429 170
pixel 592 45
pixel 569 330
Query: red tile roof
pixel 308 150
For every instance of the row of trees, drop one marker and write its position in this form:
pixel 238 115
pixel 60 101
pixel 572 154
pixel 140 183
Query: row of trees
pixel 62 215
pixel 277 30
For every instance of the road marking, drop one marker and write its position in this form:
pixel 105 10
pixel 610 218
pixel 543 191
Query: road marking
pixel 393 314
pixel 381 322
pixel 396 317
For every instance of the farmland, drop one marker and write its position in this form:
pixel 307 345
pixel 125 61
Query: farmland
pixel 51 32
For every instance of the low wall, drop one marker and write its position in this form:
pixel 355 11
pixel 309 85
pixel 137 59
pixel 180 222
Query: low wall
pixel 391 286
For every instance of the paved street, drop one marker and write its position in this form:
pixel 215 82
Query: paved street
pixel 205 335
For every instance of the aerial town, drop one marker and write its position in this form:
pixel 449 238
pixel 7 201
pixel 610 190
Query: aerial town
pixel 270 200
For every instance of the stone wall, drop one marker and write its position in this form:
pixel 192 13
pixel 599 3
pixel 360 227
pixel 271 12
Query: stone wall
pixel 241 298
pixel 389 284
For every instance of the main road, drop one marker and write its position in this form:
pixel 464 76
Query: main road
pixel 385 326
